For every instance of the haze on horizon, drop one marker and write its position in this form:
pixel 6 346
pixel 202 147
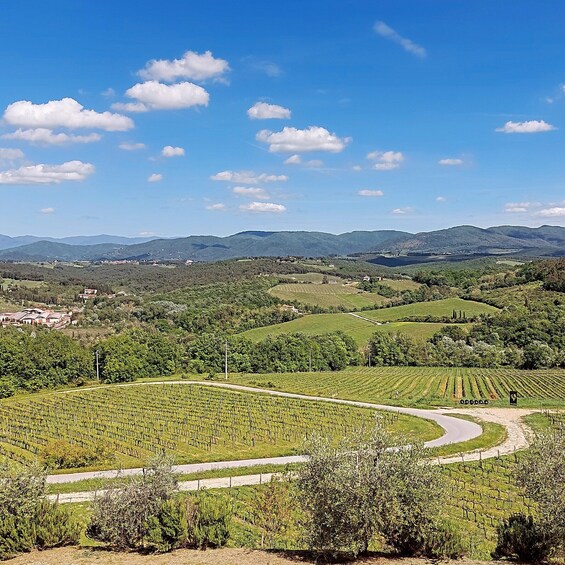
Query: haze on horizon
pixel 321 116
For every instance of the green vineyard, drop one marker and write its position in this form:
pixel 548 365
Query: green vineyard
pixel 422 385
pixel 193 423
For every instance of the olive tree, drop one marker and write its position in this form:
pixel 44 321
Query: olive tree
pixel 542 474
pixel 363 488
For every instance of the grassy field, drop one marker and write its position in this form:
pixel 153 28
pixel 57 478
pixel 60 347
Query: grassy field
pixel 360 330
pixel 424 386
pixel 193 423
pixel 327 295
pixel 5 283
pixel 436 308
pixel 401 284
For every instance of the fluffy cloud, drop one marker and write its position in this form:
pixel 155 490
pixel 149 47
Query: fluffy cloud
pixel 153 95
pixel 450 162
pixel 47 174
pixel 263 207
pixel 248 192
pixel 247 177
pixel 11 154
pixel 65 113
pixel 402 211
pixel 292 140
pixel 370 193
pixel 44 136
pixel 191 65
pixel 132 146
pixel 441 198
pixel 407 44
pixel 264 111
pixel 216 207
pixel 555 212
pixel 170 151
pixel 533 126
pixel 47 210
pixel 385 160
pixel 293 160
pixel 518 207
pixel 155 177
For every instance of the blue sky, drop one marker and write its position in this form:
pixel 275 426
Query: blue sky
pixel 181 118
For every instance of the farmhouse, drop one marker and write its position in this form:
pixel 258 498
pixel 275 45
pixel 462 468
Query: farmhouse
pixel 88 294
pixel 36 317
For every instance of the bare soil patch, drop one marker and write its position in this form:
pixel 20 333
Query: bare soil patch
pixel 78 556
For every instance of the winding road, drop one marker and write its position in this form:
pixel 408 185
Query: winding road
pixel 456 430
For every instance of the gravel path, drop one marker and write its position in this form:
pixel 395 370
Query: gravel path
pixel 517 432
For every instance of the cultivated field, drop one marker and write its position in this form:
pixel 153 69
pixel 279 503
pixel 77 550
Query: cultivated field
pixel 422 385
pixel 401 284
pixel 327 295
pixel 194 423
pixel 435 308
pixel 354 325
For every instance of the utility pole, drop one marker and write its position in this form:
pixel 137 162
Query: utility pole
pixel 226 360
pixel 369 358
pixel 97 367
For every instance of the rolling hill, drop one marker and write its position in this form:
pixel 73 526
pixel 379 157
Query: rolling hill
pixel 463 241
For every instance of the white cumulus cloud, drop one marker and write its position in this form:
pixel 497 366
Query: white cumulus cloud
pixel 65 113
pixel 264 111
pixel 263 207
pixel 251 192
pixel 170 151
pixel 441 198
pixel 216 207
pixel 155 177
pixel 370 193
pixel 555 212
pixel 407 44
pixel 247 177
pixel 44 136
pixel 532 126
pixel 192 65
pixel 450 162
pixel 47 210
pixel 47 174
pixel 132 146
pixel 153 95
pixel 385 160
pixel 292 140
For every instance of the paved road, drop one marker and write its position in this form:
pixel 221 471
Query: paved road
pixel 456 430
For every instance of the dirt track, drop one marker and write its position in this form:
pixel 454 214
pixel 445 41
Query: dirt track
pixel 77 556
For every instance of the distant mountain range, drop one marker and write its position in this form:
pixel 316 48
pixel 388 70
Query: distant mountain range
pixel 460 240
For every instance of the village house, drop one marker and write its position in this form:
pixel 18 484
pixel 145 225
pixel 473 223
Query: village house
pixel 36 317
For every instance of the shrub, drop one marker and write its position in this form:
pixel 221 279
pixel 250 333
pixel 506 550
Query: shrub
pixel 211 522
pixel 55 527
pixel 7 388
pixel 168 529
pixel 60 454
pixel 27 519
pixel 522 538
